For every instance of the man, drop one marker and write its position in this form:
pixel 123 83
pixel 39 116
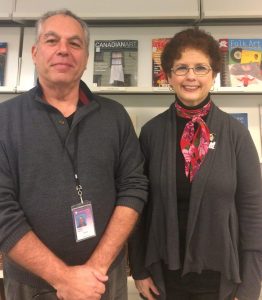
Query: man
pixel 65 152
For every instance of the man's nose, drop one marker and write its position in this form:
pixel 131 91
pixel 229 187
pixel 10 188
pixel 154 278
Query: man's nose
pixel 63 48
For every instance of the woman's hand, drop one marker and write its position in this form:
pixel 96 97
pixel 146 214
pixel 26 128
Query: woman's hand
pixel 147 288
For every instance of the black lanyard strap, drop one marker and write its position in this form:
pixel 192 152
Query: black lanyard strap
pixel 74 162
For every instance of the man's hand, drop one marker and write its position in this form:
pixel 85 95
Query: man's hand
pixel 71 282
pixel 81 283
pixel 146 287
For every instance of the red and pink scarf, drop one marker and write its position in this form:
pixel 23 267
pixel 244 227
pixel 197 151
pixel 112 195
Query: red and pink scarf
pixel 194 145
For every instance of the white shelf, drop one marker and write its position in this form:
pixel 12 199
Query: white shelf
pixel 6 9
pixel 237 90
pixel 130 90
pixel 111 10
pixel 145 90
pixel 7 89
pixel 1 274
pixel 231 9
pixel 5 16
pixel 231 15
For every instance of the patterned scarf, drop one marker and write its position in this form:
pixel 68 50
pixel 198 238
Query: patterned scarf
pixel 194 145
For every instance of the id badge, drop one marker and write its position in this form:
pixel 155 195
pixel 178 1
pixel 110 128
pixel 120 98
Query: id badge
pixel 83 220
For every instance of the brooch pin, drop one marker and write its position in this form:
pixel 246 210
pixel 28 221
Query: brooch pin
pixel 212 142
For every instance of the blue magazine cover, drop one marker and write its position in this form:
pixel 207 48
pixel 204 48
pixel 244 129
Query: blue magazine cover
pixel 241 117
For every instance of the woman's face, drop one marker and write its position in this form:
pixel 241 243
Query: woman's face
pixel 190 88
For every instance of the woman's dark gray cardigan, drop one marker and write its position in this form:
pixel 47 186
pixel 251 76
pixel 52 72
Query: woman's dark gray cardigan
pixel 224 231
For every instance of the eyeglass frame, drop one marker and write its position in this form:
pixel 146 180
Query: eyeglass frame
pixel 209 68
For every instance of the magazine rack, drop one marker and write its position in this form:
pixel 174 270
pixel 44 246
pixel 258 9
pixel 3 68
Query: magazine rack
pixel 143 100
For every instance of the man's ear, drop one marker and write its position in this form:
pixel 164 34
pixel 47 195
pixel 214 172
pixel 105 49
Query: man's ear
pixel 33 52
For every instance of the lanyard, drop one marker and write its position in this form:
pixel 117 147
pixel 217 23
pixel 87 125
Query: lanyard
pixel 74 162
pixel 79 189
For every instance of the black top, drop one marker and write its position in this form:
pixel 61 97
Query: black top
pixel 211 279
pixel 182 182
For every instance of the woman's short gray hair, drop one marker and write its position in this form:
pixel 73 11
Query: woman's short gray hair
pixel 64 12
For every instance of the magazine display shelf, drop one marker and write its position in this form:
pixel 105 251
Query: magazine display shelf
pixel 144 35
pixel 166 91
pixel 114 24
pixel 143 100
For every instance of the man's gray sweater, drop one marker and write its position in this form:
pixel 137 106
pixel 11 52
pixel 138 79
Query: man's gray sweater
pixel 37 184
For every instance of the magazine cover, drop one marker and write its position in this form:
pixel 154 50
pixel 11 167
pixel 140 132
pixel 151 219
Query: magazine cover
pixel 3 54
pixel 158 77
pixel 115 63
pixel 241 62
pixel 241 117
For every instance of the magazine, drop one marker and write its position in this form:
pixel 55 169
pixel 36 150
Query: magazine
pixel 158 76
pixel 241 117
pixel 3 54
pixel 241 62
pixel 115 63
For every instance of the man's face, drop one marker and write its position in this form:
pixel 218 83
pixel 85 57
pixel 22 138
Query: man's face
pixel 60 55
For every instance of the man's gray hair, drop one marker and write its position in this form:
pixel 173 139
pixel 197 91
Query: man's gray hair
pixel 64 12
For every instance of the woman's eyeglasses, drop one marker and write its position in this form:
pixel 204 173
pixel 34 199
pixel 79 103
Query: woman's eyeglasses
pixel 199 70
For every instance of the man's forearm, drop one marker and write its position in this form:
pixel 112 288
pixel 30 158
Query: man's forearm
pixel 33 255
pixel 71 283
pixel 119 228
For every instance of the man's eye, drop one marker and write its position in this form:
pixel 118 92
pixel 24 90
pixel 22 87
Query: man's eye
pixel 51 41
pixel 75 45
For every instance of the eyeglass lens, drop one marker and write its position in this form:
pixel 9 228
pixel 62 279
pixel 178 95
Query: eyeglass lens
pixel 198 70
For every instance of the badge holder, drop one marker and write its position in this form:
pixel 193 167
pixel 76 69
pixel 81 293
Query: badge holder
pixel 83 218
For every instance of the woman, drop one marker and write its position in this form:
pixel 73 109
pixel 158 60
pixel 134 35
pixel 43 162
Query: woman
pixel 200 236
